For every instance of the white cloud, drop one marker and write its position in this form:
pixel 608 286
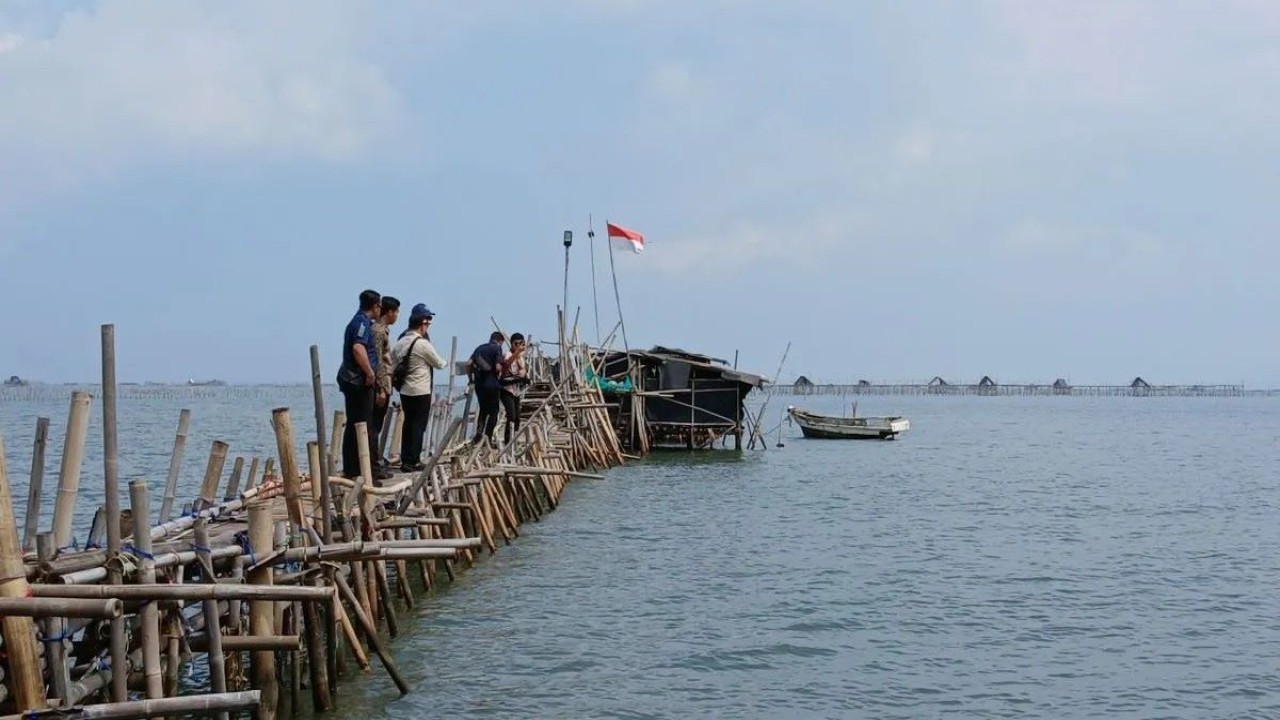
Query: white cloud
pixel 133 80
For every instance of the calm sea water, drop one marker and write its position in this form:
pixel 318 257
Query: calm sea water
pixel 1008 557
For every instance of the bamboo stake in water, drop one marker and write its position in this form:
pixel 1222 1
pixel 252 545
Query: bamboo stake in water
pixel 19 632
pixel 69 472
pixel 150 614
pixel 233 484
pixel 212 621
pixel 59 676
pixel 320 485
pixel 212 474
pixel 37 479
pixel 315 640
pixel 261 611
pixel 111 476
pixel 175 465
pixel 253 475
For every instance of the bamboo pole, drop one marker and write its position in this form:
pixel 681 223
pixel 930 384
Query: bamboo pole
pixel 252 480
pixel 19 632
pixel 174 592
pixel 212 474
pixel 175 464
pixel 193 705
pixel 318 665
pixel 69 472
pixel 111 478
pixel 320 488
pixel 37 480
pixel 372 634
pixel 150 615
pixel 212 619
pixel 61 608
pixel 233 483
pixel 261 611
pixel 55 652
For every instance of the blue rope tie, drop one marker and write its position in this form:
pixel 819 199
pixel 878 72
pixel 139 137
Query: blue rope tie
pixel 132 550
pixel 243 541
pixel 201 548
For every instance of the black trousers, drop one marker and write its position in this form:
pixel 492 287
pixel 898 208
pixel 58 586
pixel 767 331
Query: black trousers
pixel 417 412
pixel 511 405
pixel 359 408
pixel 375 429
pixel 487 418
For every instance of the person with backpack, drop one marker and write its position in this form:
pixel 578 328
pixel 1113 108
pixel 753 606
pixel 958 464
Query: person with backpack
pixel 415 361
pixel 485 367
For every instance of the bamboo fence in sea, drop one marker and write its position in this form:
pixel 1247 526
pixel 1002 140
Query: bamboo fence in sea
pixel 279 586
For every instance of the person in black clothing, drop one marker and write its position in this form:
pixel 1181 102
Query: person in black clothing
pixel 486 364
pixel 356 378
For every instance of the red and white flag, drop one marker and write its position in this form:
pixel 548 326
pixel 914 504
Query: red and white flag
pixel 625 238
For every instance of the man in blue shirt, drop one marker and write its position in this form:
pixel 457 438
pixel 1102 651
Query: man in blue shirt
pixel 486 365
pixel 356 379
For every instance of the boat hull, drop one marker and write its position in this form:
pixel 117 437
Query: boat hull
pixel 819 427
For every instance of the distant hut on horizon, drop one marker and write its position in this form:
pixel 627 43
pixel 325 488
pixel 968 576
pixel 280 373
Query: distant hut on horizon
pixel 1061 387
pixel 987 386
pixel 863 383
pixel 802 386
pixel 938 385
pixel 1140 387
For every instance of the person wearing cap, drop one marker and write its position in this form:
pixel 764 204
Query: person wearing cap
pixel 382 387
pixel 421 360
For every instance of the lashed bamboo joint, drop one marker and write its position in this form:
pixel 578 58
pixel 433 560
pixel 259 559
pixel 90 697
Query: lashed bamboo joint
pixel 288 575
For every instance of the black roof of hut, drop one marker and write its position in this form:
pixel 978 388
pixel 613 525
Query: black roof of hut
pixel 986 381
pixel 803 381
pixel 863 383
pixel 937 380
pixel 1138 382
pixel 1061 383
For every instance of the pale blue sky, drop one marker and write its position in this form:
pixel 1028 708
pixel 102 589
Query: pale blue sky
pixel 1029 190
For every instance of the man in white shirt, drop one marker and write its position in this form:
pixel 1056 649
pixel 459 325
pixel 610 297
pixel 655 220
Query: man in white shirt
pixel 414 348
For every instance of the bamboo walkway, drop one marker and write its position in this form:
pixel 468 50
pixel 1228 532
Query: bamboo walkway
pixel 284 586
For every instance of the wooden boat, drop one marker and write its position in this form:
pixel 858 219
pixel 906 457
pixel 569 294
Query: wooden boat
pixel 824 427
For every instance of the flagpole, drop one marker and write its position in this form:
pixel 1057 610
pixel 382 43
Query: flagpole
pixel 595 304
pixel 617 297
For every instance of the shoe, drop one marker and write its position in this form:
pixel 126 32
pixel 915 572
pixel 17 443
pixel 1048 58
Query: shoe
pixel 416 467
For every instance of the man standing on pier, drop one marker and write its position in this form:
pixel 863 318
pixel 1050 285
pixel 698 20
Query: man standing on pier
pixel 382 390
pixel 356 379
pixel 420 359
pixel 486 364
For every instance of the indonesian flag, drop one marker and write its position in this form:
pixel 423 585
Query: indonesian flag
pixel 625 238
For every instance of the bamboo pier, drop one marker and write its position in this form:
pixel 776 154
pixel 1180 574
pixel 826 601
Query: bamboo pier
pixel 282 582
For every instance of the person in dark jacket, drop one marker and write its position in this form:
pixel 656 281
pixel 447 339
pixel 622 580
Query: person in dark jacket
pixel 486 366
pixel 356 379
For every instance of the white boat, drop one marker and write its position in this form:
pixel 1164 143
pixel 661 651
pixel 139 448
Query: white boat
pixel 825 427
